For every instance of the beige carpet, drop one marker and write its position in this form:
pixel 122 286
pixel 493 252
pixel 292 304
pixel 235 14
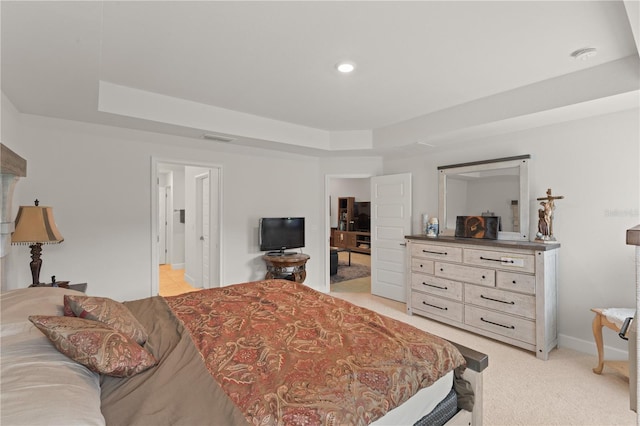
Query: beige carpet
pixel 519 389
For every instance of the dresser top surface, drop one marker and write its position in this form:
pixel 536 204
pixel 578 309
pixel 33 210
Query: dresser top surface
pixel 526 245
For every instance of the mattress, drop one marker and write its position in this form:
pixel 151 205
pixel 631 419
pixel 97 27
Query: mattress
pixel 418 406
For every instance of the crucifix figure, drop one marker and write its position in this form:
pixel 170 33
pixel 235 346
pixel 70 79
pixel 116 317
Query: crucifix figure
pixel 545 217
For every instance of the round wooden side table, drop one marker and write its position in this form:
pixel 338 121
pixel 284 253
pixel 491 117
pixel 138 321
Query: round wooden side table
pixel 290 267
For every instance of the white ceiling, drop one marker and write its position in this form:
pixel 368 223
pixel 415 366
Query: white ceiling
pixel 275 60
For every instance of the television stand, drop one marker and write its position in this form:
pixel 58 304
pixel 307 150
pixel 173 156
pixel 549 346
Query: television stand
pixel 290 267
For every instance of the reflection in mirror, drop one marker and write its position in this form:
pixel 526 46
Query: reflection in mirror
pixel 487 188
pixel 488 193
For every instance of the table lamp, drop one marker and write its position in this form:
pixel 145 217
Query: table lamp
pixel 35 226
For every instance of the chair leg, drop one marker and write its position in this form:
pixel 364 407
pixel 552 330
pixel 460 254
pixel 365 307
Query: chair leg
pixel 597 335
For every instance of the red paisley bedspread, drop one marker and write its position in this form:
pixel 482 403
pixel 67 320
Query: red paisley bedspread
pixel 289 355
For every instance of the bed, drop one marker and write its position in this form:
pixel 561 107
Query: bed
pixel 266 352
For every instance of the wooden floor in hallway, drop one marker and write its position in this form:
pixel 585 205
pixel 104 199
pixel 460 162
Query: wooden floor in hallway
pixel 172 281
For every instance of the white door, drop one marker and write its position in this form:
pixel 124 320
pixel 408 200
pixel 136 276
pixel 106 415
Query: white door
pixel 202 270
pixel 205 238
pixel 390 222
pixel 162 225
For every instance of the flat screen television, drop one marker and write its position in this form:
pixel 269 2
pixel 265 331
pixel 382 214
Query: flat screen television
pixel 362 216
pixel 278 234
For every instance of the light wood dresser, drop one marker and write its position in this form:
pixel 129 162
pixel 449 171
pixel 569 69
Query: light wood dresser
pixel 506 290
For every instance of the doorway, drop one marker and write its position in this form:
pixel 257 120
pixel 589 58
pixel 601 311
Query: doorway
pixel 193 222
pixel 347 270
pixel 390 216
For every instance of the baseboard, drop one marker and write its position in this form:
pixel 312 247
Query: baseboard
pixel 589 347
pixel 177 266
pixel 189 280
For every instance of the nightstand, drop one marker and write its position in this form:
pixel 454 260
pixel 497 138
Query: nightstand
pixel 78 287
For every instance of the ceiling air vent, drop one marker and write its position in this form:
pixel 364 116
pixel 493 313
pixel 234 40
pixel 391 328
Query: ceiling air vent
pixel 217 138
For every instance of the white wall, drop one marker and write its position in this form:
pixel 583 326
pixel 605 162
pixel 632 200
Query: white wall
pixel 98 180
pixel 595 164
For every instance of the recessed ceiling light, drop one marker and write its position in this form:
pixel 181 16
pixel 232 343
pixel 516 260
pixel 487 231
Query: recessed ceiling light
pixel 585 53
pixel 346 67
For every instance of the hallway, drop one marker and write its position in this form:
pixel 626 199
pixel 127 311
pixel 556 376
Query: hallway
pixel 172 281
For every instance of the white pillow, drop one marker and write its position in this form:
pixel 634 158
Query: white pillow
pixel 41 386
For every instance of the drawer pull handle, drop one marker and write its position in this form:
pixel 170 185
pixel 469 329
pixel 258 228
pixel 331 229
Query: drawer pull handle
pixel 434 306
pixel 497 260
pixel 435 252
pixel 495 323
pixel 482 296
pixel 436 286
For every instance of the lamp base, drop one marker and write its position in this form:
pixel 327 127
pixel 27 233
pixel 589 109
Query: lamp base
pixel 36 263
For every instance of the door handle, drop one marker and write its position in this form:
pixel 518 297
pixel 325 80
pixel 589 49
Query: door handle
pixel 202 238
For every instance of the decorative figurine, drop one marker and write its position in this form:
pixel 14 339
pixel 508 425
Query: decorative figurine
pixel 545 217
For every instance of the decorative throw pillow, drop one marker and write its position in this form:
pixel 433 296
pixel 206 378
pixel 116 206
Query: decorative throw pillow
pixel 66 309
pixel 108 311
pixel 95 345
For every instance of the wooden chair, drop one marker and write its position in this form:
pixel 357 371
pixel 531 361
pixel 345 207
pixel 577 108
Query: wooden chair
pixel 601 320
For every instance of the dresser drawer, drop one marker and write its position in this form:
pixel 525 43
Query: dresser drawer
pixel 516 282
pixel 500 260
pixel 437 252
pixel 422 265
pixel 502 324
pixel 437 286
pixel 467 274
pixel 504 301
pixel 436 306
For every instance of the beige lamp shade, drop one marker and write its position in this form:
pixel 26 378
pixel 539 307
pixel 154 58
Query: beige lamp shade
pixel 35 224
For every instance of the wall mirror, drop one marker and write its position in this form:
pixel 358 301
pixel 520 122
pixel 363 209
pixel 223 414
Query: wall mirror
pixel 497 187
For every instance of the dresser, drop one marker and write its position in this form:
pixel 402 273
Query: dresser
pixel 505 290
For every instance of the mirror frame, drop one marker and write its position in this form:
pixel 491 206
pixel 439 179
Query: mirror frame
pixel 521 162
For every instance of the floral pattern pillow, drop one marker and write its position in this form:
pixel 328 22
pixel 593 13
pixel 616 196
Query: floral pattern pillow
pixel 95 345
pixel 108 311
